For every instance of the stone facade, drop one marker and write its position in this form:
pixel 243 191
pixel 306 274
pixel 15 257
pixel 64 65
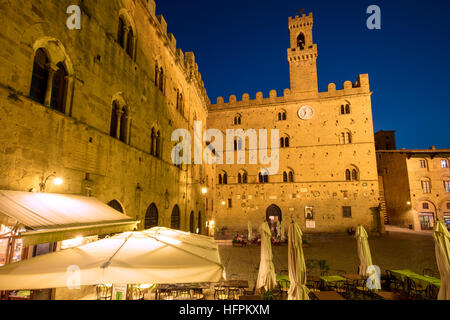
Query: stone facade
pixel 77 140
pixel 329 159
pixel 416 186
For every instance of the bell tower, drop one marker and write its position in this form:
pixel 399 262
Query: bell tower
pixel 302 55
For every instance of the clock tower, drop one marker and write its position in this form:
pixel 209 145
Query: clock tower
pixel 302 56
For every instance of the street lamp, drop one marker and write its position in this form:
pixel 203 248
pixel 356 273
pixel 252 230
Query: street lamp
pixel 204 190
pixel 56 181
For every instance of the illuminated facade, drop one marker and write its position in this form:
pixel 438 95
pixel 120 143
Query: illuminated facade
pixel 98 106
pixel 416 184
pixel 327 179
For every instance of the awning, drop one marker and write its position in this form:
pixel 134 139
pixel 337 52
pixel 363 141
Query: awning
pixel 158 255
pixel 56 217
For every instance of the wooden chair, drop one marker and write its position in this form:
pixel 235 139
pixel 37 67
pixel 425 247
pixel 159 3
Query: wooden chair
pixel 392 280
pixel 433 292
pixel 233 292
pixel 427 272
pixel 414 289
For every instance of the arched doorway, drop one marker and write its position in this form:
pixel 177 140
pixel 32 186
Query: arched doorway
pixel 116 205
pixel 273 217
pixel 191 222
pixel 446 210
pixel 427 215
pixel 151 217
pixel 199 223
pixel 175 218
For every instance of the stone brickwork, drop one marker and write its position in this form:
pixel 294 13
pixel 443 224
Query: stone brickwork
pixel 36 140
pixel 337 137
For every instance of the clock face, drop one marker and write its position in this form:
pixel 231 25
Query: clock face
pixel 305 113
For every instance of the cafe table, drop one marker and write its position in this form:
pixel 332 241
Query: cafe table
pixel 328 295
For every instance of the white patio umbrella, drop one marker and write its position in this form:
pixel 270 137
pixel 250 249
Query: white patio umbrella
pixel 297 266
pixel 158 255
pixel 442 250
pixel 365 257
pixel 250 231
pixel 266 276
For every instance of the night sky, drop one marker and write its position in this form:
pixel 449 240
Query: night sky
pixel 240 46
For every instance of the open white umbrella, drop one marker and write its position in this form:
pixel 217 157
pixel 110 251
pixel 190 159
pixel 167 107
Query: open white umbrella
pixel 442 251
pixel 266 276
pixel 158 255
pixel 250 231
pixel 297 266
pixel 365 257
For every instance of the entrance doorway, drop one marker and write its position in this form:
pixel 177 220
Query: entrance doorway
pixel 426 221
pixel 274 218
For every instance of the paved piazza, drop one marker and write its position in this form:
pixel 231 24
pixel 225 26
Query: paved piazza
pixel 397 249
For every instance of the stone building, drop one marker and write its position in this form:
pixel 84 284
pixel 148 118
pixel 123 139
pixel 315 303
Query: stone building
pixel 416 184
pixel 327 178
pixel 98 106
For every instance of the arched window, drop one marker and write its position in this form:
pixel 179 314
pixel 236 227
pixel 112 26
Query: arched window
pixel 355 176
pixel 347 109
pixel 116 205
pixel 191 222
pixel 284 142
pixel 121 33
pixel 244 178
pixel 348 176
pixel 282 116
pixel 291 176
pixel 220 179
pixel 352 174
pixel 124 126
pixel 239 178
pixel 161 79
pixel 225 178
pixel 263 178
pixel 152 142
pixel 346 137
pixel 59 88
pixel 444 164
pixel 151 217
pixel 130 43
pixel 237 119
pixel 114 120
pixel 285 177
pixel 40 76
pixel 175 218
pixel 301 41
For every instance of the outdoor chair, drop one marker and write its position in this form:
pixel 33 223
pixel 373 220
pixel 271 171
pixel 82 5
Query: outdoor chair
pixel 233 292
pixel 414 289
pixel 393 281
pixel 427 272
pixel 433 292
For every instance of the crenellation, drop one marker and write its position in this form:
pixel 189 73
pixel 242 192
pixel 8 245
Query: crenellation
pixel 162 23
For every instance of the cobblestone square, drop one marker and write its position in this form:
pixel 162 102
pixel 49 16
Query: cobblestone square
pixel 397 249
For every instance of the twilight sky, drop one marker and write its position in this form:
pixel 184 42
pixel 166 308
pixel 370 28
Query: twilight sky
pixel 240 46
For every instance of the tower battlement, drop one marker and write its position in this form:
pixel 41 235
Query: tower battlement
pixel 301 21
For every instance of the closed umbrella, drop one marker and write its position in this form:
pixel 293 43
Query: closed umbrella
pixel 283 232
pixel 442 251
pixel 266 275
pixel 364 255
pixel 250 231
pixel 297 266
